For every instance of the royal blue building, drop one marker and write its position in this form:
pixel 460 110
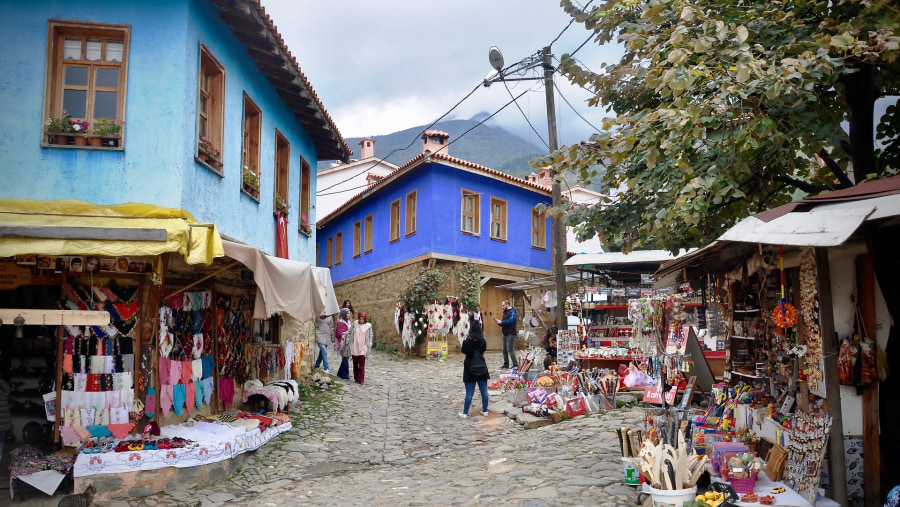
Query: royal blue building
pixel 436 210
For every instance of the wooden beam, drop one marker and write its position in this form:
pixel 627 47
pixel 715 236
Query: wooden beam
pixel 837 472
pixel 104 233
pixel 205 278
pixel 871 436
pixel 55 317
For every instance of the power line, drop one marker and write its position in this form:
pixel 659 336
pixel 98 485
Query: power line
pixel 505 85
pixel 514 99
pixel 418 136
pixel 573 109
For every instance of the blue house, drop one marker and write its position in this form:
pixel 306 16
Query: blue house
pixel 197 105
pixel 436 210
pixel 156 208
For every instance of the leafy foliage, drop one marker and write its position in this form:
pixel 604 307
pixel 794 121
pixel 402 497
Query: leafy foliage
pixel 424 288
pixel 724 108
pixel 470 285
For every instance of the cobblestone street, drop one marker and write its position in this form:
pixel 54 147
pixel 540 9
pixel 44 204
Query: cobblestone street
pixel 397 440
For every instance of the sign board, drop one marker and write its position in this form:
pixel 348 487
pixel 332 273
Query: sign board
pixel 13 275
pixel 439 348
pixel 651 395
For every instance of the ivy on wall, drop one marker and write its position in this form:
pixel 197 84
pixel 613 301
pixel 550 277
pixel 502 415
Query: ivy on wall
pixel 423 288
pixel 469 285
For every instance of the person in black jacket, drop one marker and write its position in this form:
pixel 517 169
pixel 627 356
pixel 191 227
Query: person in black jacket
pixel 474 345
pixel 508 327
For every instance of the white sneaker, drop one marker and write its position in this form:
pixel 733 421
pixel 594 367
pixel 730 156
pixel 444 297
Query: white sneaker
pixel 464 416
pixel 485 413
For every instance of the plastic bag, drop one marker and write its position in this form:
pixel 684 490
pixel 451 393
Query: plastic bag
pixel 576 407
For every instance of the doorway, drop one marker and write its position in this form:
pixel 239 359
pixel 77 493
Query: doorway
pixel 491 299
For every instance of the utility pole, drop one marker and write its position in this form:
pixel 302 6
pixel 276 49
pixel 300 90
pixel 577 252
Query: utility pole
pixel 559 231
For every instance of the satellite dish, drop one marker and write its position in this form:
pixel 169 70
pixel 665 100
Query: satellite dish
pixel 496 58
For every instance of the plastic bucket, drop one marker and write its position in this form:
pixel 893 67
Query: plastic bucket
pixel 632 477
pixel 672 497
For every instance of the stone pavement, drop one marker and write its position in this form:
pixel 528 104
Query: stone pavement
pixel 397 440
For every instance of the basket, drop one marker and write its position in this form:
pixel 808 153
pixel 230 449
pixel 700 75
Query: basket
pixel 743 486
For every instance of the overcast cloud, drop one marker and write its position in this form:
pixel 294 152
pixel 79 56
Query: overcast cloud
pixel 384 66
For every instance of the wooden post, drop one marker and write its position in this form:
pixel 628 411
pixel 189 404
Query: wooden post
pixel 60 338
pixel 150 327
pixel 837 473
pixel 871 436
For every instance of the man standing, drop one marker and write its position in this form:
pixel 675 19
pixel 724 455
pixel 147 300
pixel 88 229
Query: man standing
pixel 508 326
pixel 324 336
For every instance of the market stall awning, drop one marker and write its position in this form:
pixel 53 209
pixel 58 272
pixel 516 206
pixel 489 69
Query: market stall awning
pixel 292 287
pixel 547 282
pixel 608 258
pixel 69 227
pixel 827 225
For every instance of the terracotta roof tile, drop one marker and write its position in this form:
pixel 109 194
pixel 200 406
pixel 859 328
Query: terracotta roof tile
pixel 329 125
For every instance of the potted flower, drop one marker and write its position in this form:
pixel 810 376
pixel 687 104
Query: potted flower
pixel 59 128
pixel 104 128
pixel 208 151
pixel 305 226
pixel 250 182
pixel 282 207
pixel 81 128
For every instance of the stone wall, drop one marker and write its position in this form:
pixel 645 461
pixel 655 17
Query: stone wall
pixel 378 295
pixel 144 483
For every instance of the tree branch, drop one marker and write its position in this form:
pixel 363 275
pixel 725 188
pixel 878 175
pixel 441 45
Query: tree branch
pixel 803 185
pixel 835 169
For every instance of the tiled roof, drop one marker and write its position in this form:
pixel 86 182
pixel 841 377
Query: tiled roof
pixel 438 133
pixel 420 161
pixel 256 31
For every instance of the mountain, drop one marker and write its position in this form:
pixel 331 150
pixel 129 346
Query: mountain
pixel 489 146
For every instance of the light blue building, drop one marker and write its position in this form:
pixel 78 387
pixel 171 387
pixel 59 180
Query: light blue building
pixel 436 210
pixel 167 73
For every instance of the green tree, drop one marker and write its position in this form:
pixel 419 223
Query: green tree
pixel 725 108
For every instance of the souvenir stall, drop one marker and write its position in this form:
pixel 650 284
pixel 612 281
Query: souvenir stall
pixel 167 377
pixel 436 322
pixel 60 262
pixel 219 375
pixel 788 280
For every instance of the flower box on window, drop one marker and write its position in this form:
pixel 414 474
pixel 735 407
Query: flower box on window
pixel 209 153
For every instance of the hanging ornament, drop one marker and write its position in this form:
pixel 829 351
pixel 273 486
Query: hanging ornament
pixel 785 314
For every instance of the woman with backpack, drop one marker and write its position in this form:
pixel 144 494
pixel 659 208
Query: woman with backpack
pixel 475 370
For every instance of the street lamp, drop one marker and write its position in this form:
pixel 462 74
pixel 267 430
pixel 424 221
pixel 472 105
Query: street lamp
pixel 559 234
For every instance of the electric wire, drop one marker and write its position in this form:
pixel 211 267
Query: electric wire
pixel 505 85
pixel 573 109
pixel 418 136
pixel 473 127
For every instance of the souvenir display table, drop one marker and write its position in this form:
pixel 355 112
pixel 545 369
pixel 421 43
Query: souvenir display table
pixel 204 443
pixel 764 487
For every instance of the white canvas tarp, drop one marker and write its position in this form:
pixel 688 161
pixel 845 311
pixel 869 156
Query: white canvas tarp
pixel 826 225
pixel 292 287
pixel 327 289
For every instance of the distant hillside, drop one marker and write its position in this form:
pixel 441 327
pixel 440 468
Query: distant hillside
pixel 488 146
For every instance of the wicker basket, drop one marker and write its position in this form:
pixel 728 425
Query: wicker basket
pixel 743 486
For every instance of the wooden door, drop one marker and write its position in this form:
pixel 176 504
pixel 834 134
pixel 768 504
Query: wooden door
pixel 491 299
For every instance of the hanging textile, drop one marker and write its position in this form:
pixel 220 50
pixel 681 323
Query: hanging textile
pixel 281 237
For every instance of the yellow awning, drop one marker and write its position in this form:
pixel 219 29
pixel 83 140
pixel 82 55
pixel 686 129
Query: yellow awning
pixel 69 227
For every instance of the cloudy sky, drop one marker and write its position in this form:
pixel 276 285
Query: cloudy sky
pixel 384 66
